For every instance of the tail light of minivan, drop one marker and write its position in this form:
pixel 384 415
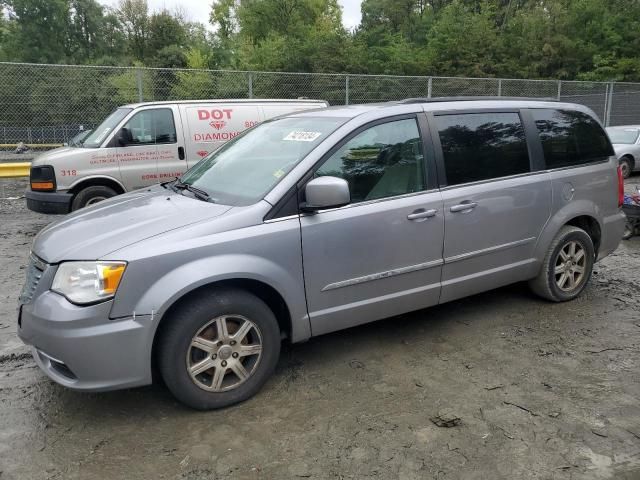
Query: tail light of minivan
pixel 620 187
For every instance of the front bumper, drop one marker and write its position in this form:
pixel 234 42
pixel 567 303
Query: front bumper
pixel 48 202
pixel 80 348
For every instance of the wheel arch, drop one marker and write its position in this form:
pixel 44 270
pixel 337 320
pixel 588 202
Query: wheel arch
pixel 590 225
pixel 630 156
pixel 265 292
pixel 96 180
pixel 582 214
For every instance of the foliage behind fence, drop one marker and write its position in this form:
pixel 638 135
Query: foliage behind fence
pixel 50 103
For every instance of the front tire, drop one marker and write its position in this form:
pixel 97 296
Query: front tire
pixel 219 349
pixel 567 266
pixel 91 195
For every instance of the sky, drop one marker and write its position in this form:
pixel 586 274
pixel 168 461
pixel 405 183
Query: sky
pixel 198 10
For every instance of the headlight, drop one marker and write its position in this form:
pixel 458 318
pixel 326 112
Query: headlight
pixel 88 282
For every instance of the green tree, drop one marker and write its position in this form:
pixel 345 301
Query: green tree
pixel 133 15
pixel 86 22
pixel 39 32
pixel 463 42
pixel 165 30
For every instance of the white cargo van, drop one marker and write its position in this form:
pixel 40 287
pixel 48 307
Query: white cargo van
pixel 142 144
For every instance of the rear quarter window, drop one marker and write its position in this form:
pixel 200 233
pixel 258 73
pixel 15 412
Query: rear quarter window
pixel 570 138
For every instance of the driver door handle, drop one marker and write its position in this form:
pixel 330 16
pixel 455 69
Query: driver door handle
pixel 181 153
pixel 465 206
pixel 420 214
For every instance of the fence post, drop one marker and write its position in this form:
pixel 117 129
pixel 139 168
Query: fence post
pixel 608 107
pixel 250 85
pixel 430 87
pixel 559 88
pixel 139 83
pixel 346 89
pixel 499 87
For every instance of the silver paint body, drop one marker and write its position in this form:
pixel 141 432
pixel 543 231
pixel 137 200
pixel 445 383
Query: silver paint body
pixel 138 166
pixel 628 149
pixel 362 262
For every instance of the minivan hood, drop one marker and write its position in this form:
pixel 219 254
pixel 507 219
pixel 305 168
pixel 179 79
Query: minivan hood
pixel 93 232
pixel 61 152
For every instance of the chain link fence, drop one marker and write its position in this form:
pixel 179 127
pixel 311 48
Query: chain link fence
pixel 46 105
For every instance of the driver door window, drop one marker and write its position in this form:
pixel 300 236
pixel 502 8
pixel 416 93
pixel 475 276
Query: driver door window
pixel 385 160
pixel 151 127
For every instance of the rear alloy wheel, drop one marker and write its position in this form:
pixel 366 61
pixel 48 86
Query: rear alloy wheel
pixel 567 266
pixel 218 348
pixel 625 167
pixel 570 266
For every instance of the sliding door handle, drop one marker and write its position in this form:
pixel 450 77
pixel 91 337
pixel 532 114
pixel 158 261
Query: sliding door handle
pixel 181 153
pixel 465 206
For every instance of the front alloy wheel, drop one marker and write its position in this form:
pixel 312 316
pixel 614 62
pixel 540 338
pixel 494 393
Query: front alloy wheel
pixel 224 353
pixel 218 347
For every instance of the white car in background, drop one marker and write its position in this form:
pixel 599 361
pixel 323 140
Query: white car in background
pixel 626 143
pixel 142 144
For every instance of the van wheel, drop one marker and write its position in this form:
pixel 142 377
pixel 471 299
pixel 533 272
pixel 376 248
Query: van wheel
pixel 219 349
pixel 91 195
pixel 567 266
pixel 626 167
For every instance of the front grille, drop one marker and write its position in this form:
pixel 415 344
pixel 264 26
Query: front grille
pixel 35 270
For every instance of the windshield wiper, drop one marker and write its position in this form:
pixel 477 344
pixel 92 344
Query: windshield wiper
pixel 199 194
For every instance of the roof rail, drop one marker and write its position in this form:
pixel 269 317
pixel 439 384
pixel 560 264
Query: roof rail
pixel 472 99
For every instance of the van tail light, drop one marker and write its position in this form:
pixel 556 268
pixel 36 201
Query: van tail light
pixel 620 187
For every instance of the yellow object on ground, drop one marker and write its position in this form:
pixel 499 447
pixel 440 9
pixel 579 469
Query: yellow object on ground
pixel 15 169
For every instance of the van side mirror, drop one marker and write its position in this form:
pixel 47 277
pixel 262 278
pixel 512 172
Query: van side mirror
pixel 122 138
pixel 326 192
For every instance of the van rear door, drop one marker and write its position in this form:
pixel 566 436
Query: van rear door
pixel 209 125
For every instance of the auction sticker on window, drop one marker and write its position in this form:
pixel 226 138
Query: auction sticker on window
pixel 298 136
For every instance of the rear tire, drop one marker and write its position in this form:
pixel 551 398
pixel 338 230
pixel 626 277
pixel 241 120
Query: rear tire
pixel 567 266
pixel 91 195
pixel 218 349
pixel 626 165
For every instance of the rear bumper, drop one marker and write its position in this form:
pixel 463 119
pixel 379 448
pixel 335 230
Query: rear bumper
pixel 48 202
pixel 81 348
pixel 612 230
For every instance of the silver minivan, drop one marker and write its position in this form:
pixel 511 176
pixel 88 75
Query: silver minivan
pixel 314 222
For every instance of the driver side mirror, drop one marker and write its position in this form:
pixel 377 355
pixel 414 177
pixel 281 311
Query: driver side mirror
pixel 326 192
pixel 122 139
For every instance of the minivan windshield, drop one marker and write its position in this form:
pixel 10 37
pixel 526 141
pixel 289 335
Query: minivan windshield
pixel 623 135
pixel 246 168
pixel 101 131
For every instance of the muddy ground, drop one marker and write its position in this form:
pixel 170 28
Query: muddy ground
pixel 544 391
